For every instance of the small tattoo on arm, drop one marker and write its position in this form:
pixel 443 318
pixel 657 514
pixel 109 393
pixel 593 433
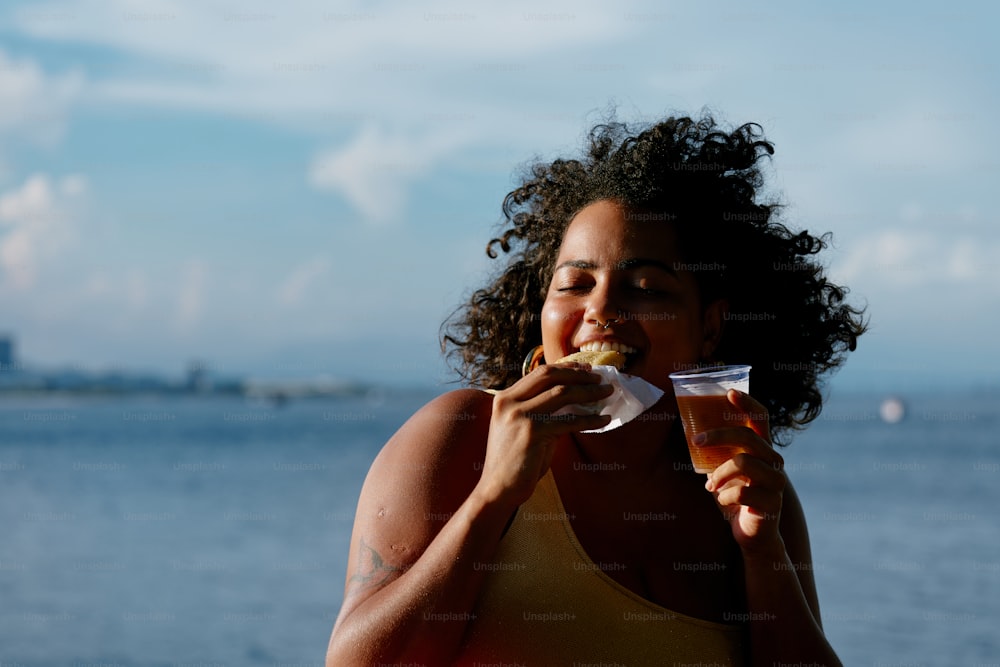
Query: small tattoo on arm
pixel 372 572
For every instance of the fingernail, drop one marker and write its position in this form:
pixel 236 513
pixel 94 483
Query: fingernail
pixel 710 485
pixel 699 438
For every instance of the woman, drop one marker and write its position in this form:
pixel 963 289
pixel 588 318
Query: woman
pixel 492 531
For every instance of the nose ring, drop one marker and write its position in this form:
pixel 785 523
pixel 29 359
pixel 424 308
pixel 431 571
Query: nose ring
pixel 607 324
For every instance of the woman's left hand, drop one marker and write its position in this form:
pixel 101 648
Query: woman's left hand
pixel 748 487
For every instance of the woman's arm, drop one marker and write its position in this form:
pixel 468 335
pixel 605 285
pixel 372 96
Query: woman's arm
pixel 399 609
pixel 785 624
pixel 769 526
pixel 426 516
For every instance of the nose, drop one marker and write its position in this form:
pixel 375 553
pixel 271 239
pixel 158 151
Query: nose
pixel 602 306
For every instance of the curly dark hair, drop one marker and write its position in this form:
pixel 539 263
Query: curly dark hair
pixel 785 318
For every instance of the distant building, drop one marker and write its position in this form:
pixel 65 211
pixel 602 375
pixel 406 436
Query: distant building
pixel 197 377
pixel 7 361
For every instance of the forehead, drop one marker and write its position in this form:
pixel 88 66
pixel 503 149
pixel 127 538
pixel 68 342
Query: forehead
pixel 604 230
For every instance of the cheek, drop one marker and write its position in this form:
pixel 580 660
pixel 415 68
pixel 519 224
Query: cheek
pixel 673 335
pixel 558 323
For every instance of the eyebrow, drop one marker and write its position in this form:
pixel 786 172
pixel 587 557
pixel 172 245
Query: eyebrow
pixel 641 262
pixel 624 265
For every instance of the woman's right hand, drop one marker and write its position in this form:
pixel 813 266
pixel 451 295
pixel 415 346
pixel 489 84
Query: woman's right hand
pixel 523 430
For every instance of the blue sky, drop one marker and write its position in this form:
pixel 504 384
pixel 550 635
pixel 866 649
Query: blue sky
pixel 306 189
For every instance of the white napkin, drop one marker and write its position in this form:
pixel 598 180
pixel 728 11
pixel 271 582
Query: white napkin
pixel 632 397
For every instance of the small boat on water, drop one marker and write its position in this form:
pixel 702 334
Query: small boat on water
pixel 892 410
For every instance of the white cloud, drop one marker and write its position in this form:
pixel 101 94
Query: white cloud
pixel 97 285
pixel 124 294
pixel 914 137
pixel 256 56
pixel 34 104
pixel 294 288
pixel 35 226
pixel 416 83
pixel 190 296
pixel 901 259
pixel 375 170
pixel 36 219
pixel 393 92
pixel 136 289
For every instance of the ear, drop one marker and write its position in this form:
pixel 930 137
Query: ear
pixel 713 322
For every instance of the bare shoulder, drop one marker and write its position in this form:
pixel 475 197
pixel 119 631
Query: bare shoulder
pixel 417 481
pixel 795 535
pixel 441 441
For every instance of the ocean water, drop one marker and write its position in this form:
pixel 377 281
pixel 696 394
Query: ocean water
pixel 212 531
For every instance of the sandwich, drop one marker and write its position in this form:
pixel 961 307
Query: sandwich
pixel 597 358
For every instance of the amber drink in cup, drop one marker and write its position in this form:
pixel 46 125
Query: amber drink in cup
pixel 703 406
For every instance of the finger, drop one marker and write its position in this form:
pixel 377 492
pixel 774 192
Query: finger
pixel 742 470
pixel 541 380
pixel 572 364
pixel 743 437
pixel 760 500
pixel 548 376
pixel 563 395
pixel 750 468
pixel 756 414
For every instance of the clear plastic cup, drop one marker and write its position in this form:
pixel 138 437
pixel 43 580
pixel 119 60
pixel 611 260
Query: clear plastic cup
pixel 703 406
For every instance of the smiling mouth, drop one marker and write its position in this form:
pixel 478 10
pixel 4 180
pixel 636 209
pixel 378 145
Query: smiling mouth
pixel 628 351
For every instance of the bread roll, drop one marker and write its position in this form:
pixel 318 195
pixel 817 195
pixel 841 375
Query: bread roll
pixel 609 358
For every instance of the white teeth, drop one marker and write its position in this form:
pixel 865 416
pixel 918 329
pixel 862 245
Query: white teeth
pixel 605 346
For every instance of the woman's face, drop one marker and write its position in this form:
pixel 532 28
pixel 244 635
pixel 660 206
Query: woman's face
pixel 631 273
